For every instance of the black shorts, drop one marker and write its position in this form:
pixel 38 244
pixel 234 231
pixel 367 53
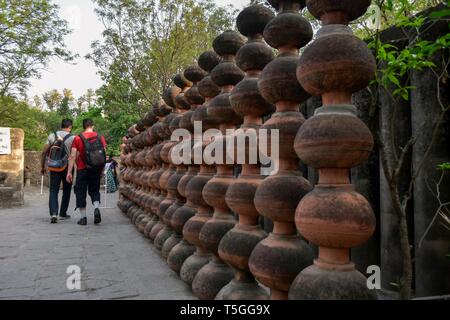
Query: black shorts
pixel 87 181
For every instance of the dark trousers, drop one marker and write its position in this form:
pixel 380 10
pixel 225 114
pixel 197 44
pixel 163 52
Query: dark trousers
pixel 88 181
pixel 55 183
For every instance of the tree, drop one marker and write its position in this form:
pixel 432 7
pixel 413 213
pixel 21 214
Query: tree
pixel 17 114
pixel 37 102
pixel 52 99
pixel 31 33
pixel 146 42
pixel 64 108
pixel 87 100
pixel 66 105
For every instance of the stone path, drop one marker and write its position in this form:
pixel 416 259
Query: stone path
pixel 116 261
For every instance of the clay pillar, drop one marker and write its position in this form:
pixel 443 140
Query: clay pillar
pixel 203 212
pixel 166 170
pixel 278 259
pixel 334 216
pixel 148 120
pixel 160 110
pixel 177 182
pixel 177 172
pixel 182 250
pixel 237 245
pixel 216 274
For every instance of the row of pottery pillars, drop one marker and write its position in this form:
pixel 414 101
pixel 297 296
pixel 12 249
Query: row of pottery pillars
pixel 203 218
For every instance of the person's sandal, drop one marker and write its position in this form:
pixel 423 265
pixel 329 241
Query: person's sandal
pixel 82 221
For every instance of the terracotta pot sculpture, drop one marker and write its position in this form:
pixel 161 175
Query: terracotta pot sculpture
pixel 174 173
pixel 277 260
pixel 216 274
pixel 334 216
pixel 238 243
pixel 182 249
pixel 164 173
pixel 184 104
pixel 203 212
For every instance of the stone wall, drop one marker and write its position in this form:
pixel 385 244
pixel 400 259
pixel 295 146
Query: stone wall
pixel 11 168
pixel 33 165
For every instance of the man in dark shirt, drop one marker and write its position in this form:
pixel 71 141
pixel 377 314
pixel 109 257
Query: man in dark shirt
pixel 87 179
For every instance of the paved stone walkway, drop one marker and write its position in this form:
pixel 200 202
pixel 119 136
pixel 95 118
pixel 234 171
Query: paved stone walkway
pixel 116 261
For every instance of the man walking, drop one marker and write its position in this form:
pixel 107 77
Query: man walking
pixel 88 149
pixel 56 153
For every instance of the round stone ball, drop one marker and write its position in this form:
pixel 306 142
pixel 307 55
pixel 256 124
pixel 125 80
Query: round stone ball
pixel 181 102
pixel 253 19
pixel 140 126
pixel 336 61
pixel 353 8
pixel 208 60
pixel 333 141
pixel 228 43
pixel 315 283
pixel 220 108
pixel 278 259
pixel 247 100
pixel 194 73
pixel 335 217
pixel 278 81
pixel 288 29
pixel 150 119
pixel 170 94
pixel 207 88
pixel 254 55
pixel 193 96
pixel 226 73
pixel 180 81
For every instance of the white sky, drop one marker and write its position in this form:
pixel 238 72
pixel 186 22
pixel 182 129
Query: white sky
pixel 86 28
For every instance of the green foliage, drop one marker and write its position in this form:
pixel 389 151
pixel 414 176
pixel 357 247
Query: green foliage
pixel 112 129
pixel 146 42
pixel 64 108
pixel 18 114
pixel 444 166
pixel 417 55
pixel 31 33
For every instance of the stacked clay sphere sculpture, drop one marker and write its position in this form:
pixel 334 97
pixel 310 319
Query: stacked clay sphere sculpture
pixel 203 212
pixel 173 200
pixel 154 177
pixel 334 216
pixel 198 96
pixel 216 274
pixel 166 170
pixel 238 243
pixel 190 95
pixel 278 259
pixel 179 249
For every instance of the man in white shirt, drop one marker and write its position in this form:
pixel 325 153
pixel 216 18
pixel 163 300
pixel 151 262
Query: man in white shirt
pixel 56 177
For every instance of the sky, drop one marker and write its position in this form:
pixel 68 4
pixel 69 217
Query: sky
pixel 81 74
